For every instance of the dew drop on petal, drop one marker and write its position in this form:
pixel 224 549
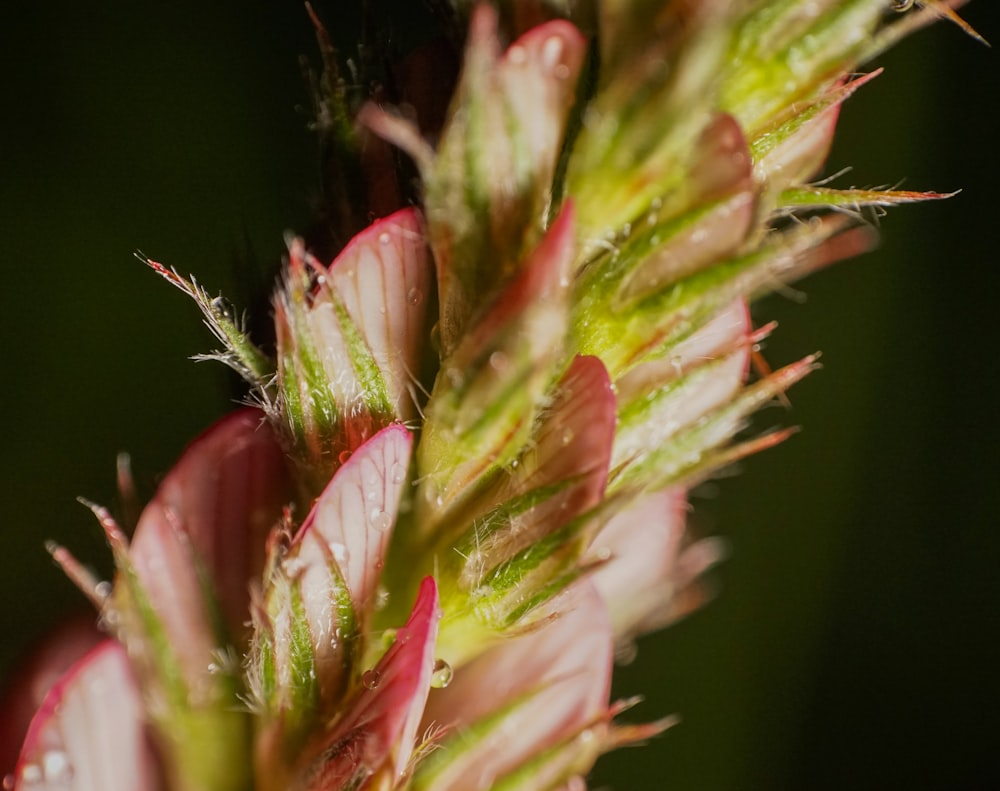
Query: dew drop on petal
pixel 56 767
pixel 344 456
pixel 567 436
pixel 498 361
pixel 552 52
pixel 381 599
pixel 8 782
pixel 102 590
pixel 370 679
pixel 442 674
pixel 414 296
pixel 380 520
pixel 31 774
pixel 384 237
pixel 398 473
pixel 339 552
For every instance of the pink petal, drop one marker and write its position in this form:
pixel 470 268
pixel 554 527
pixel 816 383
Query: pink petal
pixel 89 734
pixel 727 201
pixel 213 510
pixel 647 579
pixel 489 188
pixel 538 76
pixel 352 521
pixel 560 675
pixel 384 279
pixel 31 682
pixel 378 731
pixel 544 278
pixel 522 333
pixel 719 336
pixel 572 445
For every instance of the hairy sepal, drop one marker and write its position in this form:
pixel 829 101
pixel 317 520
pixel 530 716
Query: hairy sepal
pixel 492 579
pixel 320 594
pixel 490 185
pixel 349 342
pixel 489 390
pixel 370 744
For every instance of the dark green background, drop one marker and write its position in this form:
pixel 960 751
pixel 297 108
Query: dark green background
pixel 854 641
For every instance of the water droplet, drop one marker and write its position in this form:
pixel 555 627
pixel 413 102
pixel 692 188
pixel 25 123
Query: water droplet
pixel 567 436
pixel 561 71
pixel 339 552
pixel 103 589
pixel 370 679
pixel 8 782
pixel 398 473
pixel 380 520
pixel 222 308
pixel 604 553
pixel 343 456
pixel 552 52
pixel 515 464
pixel 517 55
pixel 498 361
pixel 108 620
pixel 381 599
pixel 441 675
pixel 31 774
pixel 384 238
pixel 414 296
pixel 455 378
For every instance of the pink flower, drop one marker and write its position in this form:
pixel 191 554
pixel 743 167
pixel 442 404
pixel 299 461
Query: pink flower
pixel 463 492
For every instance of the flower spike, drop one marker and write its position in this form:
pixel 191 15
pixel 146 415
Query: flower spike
pixel 464 493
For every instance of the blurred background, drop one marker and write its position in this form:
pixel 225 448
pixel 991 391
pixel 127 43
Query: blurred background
pixel 853 643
